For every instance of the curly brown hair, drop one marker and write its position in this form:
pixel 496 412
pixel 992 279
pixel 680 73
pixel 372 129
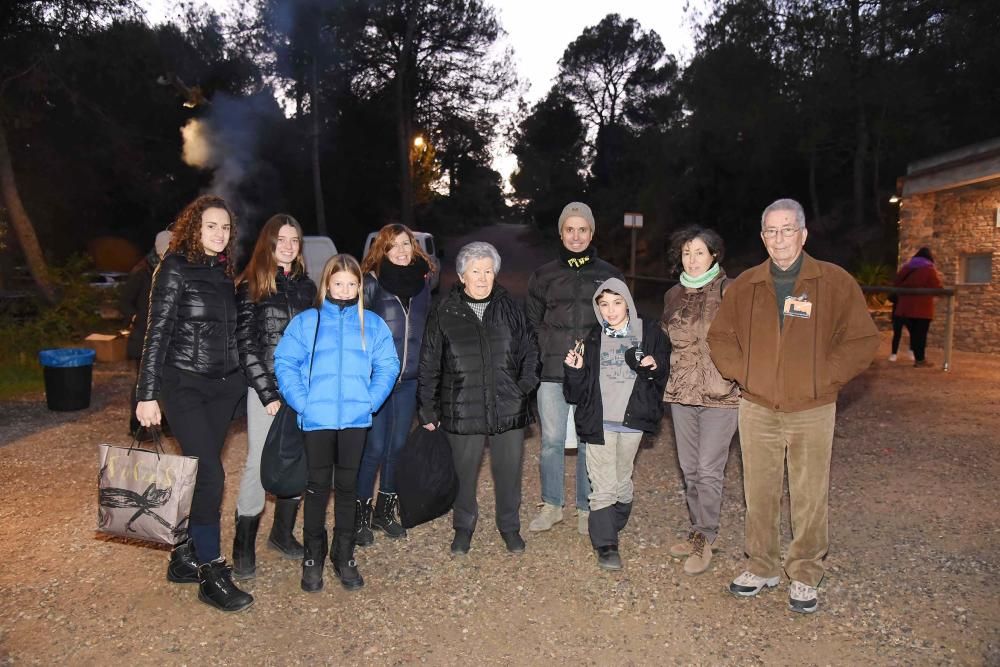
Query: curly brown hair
pixel 186 238
pixel 680 238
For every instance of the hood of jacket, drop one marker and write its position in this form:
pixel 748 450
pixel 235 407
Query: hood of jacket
pixel 618 287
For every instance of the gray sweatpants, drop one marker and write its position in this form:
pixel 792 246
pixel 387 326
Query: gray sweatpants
pixel 250 502
pixel 703 436
pixel 506 452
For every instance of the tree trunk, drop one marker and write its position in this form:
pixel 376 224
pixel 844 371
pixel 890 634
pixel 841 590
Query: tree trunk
pixel 317 180
pixel 860 122
pixel 404 121
pixel 21 223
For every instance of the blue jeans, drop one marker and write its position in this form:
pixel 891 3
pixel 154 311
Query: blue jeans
pixel 390 426
pixel 553 411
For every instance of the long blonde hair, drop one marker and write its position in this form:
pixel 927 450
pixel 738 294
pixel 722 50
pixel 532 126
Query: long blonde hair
pixel 261 269
pixel 344 262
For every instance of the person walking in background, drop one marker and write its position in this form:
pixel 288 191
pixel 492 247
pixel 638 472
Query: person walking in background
pixel 133 302
pixel 703 404
pixel 335 364
pixel 396 288
pixel 190 367
pixel 916 310
pixel 559 308
pixel 615 379
pixel 791 331
pixel 478 366
pixel 272 290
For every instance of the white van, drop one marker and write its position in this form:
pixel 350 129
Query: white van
pixel 317 250
pixel 426 242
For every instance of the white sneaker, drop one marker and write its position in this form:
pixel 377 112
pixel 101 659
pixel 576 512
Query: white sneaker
pixel 583 522
pixel 892 357
pixel 802 597
pixel 749 584
pixel 549 516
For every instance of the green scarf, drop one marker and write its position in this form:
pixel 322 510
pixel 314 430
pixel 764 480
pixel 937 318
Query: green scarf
pixel 701 280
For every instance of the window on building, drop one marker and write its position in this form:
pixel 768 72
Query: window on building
pixel 977 269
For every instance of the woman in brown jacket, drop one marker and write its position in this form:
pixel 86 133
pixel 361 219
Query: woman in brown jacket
pixel 703 404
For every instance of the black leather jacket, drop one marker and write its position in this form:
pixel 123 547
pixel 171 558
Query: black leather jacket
pixel 406 324
pixel 192 323
pixel 259 327
pixel 475 377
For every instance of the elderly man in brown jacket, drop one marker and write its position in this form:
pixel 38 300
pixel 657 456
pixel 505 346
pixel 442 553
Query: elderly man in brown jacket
pixel 791 331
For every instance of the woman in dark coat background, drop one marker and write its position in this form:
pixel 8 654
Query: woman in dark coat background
pixel 272 290
pixel 478 366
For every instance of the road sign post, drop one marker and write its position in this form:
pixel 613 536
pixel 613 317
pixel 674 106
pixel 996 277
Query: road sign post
pixel 633 221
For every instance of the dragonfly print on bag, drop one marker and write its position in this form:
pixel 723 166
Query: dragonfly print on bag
pixel 152 498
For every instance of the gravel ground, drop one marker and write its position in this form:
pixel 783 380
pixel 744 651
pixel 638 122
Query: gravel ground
pixel 911 574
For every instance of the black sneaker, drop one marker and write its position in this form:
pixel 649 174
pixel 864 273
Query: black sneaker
pixel 218 590
pixel 462 542
pixel 608 557
pixel 514 542
pixel 183 565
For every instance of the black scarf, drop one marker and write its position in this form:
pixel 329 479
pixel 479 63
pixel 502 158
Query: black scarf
pixel 403 281
pixel 577 260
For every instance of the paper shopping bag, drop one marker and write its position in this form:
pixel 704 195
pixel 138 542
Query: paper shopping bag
pixel 145 494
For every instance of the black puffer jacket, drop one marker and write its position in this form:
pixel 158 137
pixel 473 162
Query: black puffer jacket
pixel 561 309
pixel 582 386
pixel 475 377
pixel 406 323
pixel 192 323
pixel 259 327
pixel 133 302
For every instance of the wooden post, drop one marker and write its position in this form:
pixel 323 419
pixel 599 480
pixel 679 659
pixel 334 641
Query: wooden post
pixel 631 270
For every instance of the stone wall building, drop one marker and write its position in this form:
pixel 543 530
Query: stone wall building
pixel 951 204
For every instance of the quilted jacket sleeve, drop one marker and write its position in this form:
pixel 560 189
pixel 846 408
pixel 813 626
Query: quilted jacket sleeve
pixel 164 296
pixel 429 382
pixel 385 363
pixel 291 355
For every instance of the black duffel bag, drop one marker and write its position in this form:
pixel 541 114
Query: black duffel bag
pixel 426 481
pixel 283 469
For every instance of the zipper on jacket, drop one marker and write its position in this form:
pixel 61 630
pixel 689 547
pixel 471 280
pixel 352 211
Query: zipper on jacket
pixel 488 376
pixel 406 339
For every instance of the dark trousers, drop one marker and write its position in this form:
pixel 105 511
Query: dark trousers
pixel 200 410
pixel 897 333
pixel 331 455
pixel 918 336
pixel 390 426
pixel 506 450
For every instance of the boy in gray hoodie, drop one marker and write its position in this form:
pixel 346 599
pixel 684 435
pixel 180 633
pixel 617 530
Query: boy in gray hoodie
pixel 615 377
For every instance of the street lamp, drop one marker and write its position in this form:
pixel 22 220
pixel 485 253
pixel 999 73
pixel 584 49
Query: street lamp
pixel 418 141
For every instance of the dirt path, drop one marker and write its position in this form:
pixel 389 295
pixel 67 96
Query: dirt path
pixel 912 571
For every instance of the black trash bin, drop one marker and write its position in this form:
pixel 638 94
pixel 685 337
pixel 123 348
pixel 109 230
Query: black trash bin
pixel 68 374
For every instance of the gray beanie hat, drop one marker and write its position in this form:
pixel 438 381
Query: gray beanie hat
pixel 578 210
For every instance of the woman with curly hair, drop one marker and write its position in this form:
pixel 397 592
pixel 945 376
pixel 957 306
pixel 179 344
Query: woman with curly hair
pixel 396 289
pixel 191 371
pixel 272 290
pixel 703 404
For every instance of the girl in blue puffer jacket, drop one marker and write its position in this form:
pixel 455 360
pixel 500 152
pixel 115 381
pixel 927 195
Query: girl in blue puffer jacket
pixel 335 365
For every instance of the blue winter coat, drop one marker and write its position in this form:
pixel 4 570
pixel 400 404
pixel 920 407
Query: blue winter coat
pixel 348 383
pixel 406 323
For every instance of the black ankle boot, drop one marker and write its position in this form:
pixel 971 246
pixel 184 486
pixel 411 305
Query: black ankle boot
pixel 312 563
pixel 217 589
pixel 384 516
pixel 245 547
pixel 281 538
pixel 363 535
pixel 183 566
pixel 344 566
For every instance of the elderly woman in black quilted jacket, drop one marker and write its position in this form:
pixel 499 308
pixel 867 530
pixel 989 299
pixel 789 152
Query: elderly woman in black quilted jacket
pixel 190 369
pixel 478 365
pixel 272 290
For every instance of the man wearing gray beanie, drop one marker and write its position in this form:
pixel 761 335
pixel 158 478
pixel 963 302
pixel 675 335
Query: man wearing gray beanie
pixel 560 309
